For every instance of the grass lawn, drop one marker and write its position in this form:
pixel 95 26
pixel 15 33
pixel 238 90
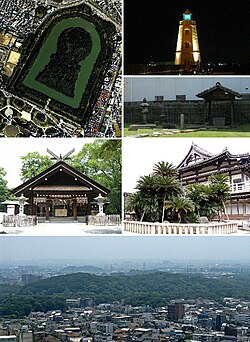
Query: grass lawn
pixel 237 132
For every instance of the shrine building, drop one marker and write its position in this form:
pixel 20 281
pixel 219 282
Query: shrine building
pixel 62 192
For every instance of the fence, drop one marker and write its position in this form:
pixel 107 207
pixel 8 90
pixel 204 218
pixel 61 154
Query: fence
pixel 19 221
pixel 218 228
pixel 105 220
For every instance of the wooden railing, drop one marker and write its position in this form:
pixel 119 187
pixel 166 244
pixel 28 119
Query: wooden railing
pixel 19 221
pixel 105 220
pixel 213 228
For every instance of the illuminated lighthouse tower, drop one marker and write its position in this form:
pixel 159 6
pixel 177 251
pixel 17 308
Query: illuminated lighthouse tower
pixel 187 49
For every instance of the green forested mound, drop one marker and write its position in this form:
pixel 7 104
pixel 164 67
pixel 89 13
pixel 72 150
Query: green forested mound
pixel 154 289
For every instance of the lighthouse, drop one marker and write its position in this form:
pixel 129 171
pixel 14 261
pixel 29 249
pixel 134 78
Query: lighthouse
pixel 187 49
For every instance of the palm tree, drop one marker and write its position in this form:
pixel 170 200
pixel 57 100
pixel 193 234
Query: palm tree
pixel 220 191
pixel 164 169
pixel 134 203
pixel 143 206
pixel 180 205
pixel 146 184
pixel 167 187
pixel 147 187
pixel 199 195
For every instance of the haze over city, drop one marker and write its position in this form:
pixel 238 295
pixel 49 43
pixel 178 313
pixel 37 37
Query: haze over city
pixel 27 249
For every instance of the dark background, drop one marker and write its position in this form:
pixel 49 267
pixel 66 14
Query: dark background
pixel 151 29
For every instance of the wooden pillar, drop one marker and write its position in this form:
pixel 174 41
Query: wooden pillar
pixel 74 209
pixel 47 210
pixel 32 205
pixel 88 207
pixel 232 111
pixel 34 209
pixel 209 112
pixel 205 111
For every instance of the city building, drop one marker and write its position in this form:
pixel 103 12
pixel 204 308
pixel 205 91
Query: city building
pixel 199 164
pixel 176 311
pixel 30 278
pixel 73 303
pixel 187 49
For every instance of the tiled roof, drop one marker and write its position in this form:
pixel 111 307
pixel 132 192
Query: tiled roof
pixel 218 86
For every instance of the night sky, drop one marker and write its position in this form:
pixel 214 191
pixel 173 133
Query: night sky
pixel 151 29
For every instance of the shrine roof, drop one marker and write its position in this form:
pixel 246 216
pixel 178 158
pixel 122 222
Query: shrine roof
pixel 61 188
pixel 84 181
pixel 218 86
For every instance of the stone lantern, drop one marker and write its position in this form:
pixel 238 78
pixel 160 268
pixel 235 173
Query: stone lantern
pixel 100 202
pixel 22 202
pixel 144 109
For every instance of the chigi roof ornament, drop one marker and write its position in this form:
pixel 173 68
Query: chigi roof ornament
pixel 60 157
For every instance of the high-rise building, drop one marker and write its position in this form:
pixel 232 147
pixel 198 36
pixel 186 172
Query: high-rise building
pixel 187 49
pixel 176 311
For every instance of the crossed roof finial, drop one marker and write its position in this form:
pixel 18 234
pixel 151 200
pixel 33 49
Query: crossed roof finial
pixel 60 157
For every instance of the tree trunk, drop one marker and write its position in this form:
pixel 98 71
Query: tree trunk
pixel 179 216
pixel 163 208
pixel 225 210
pixel 142 216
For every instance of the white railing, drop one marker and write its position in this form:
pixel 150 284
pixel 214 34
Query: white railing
pixel 240 187
pixel 212 228
pixel 105 220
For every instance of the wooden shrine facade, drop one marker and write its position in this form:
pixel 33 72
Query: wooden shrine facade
pixel 60 191
pixel 199 165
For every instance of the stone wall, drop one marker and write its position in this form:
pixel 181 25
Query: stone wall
pixel 192 110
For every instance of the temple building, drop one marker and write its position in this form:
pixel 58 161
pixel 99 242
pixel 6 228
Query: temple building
pixel 199 165
pixel 62 192
pixel 187 49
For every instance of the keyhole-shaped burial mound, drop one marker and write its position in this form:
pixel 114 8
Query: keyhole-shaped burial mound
pixel 66 61
pixel 61 73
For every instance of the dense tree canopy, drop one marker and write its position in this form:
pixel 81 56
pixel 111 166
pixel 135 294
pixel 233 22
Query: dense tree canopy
pixel 102 161
pixel 4 190
pixel 32 164
pixel 153 288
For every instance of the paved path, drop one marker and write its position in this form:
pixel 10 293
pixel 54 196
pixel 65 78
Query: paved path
pixel 61 229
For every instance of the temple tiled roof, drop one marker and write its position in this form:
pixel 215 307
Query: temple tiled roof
pixel 198 157
pixel 195 150
pixel 218 86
